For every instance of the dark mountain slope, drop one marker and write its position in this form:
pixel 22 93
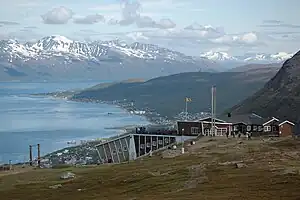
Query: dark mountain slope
pixel 243 68
pixel 280 97
pixel 166 94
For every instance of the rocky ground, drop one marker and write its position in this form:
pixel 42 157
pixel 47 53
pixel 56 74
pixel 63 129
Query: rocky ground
pixel 212 168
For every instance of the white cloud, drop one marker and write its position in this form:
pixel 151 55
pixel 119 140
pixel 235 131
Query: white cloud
pixel 246 38
pixel 89 19
pixel 59 15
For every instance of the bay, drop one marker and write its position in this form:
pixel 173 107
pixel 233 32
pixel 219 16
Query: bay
pixel 27 119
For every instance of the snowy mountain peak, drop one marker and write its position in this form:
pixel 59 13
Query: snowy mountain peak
pixel 59 38
pixel 282 56
pixel 250 57
pixel 65 48
pixel 217 56
pixel 261 57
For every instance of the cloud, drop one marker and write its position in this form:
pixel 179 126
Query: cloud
pixel 9 23
pixel 205 31
pixel 272 21
pixel 277 24
pixel 89 19
pixel 30 27
pixel 59 15
pixel 130 12
pixel 240 39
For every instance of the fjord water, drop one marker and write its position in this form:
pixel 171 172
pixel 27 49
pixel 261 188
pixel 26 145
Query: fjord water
pixel 27 119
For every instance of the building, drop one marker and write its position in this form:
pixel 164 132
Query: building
pixel 271 126
pixel 203 127
pixel 137 143
pixel 238 124
pixel 248 123
pixel 286 128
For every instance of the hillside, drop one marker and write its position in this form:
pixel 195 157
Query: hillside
pixel 165 95
pixel 243 68
pixel 214 169
pixel 280 97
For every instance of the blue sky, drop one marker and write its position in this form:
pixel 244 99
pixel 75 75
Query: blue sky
pixel 190 26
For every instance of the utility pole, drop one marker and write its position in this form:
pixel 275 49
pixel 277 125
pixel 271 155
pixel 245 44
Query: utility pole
pixel 30 155
pixel 39 155
pixel 182 143
pixel 186 109
pixel 213 110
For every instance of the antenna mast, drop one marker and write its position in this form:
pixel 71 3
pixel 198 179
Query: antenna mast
pixel 213 110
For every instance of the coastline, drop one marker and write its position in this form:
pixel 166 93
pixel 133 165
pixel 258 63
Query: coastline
pixel 85 153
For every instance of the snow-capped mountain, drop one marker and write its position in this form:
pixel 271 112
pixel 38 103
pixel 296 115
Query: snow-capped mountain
pixel 57 55
pixel 278 57
pixel 253 58
pixel 54 46
pixel 218 56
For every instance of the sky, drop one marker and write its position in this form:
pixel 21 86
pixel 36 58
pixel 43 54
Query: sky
pixel 191 26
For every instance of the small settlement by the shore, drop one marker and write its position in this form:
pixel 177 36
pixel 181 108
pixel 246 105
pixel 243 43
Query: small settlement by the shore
pixel 136 142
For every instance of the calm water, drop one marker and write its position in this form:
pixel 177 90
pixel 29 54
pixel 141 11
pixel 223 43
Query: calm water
pixel 26 119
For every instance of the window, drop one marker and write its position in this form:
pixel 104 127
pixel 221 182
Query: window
pixel 207 131
pixel 254 128
pixel 235 128
pixel 195 130
pixel 167 140
pixel 267 128
pixel 248 128
pixel 221 131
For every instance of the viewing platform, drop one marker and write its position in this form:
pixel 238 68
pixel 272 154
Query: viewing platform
pixel 138 143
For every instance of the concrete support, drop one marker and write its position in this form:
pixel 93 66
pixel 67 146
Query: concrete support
pixel 105 153
pixel 117 151
pixel 139 146
pixel 131 148
pixel 110 152
pixel 122 149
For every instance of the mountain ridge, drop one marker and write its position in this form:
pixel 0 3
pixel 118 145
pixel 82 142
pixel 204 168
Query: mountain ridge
pixel 165 95
pixel 280 97
pixel 58 57
pixel 259 58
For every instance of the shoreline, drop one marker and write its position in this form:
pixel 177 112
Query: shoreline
pixel 84 152
pixel 150 116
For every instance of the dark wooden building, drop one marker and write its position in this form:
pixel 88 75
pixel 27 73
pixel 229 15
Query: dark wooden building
pixel 248 123
pixel 203 127
pixel 271 127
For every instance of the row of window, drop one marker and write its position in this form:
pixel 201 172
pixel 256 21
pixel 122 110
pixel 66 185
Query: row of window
pixel 196 130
